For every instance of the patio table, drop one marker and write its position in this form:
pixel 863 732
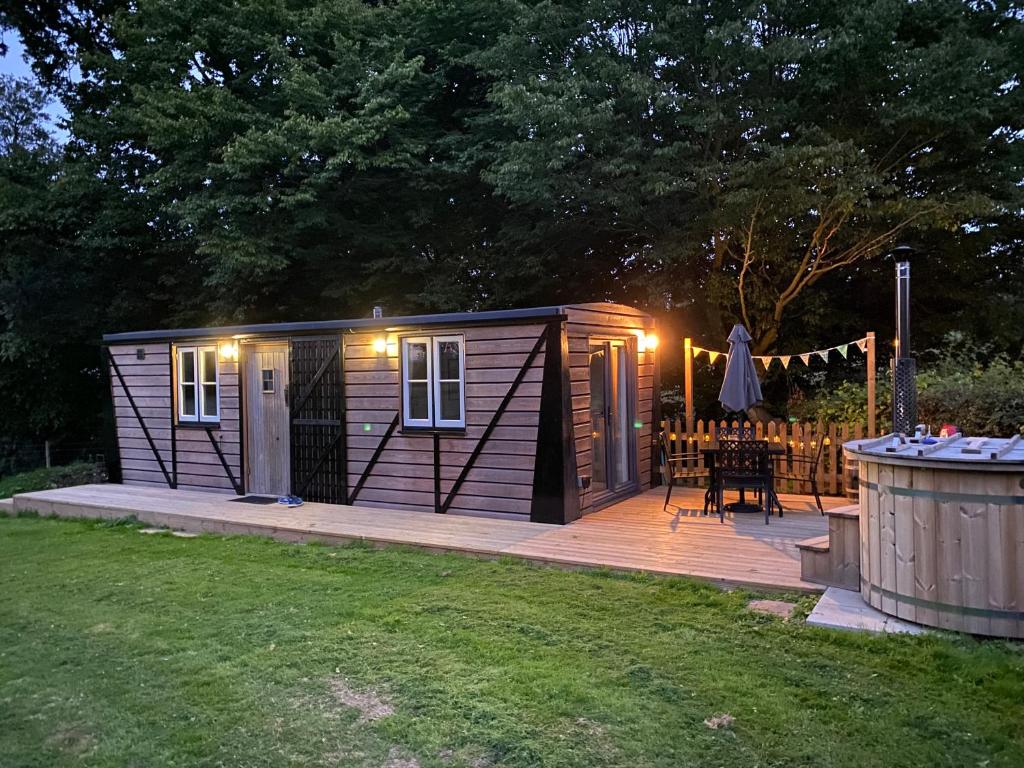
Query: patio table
pixel 710 456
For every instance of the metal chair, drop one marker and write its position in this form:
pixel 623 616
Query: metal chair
pixel 683 466
pixel 803 469
pixel 744 465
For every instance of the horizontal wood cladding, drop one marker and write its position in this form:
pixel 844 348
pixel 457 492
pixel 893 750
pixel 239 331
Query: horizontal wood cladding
pixel 608 321
pixel 501 480
pixel 194 459
pixel 402 458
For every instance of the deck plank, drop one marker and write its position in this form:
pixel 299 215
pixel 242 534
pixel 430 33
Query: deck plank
pixel 634 535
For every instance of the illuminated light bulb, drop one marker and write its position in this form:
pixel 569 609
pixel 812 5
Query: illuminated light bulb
pixel 229 350
pixel 380 345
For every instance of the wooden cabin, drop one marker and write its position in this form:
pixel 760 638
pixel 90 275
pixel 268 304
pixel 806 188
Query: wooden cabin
pixel 533 414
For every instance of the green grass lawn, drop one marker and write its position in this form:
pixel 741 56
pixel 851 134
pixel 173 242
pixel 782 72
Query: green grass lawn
pixel 122 649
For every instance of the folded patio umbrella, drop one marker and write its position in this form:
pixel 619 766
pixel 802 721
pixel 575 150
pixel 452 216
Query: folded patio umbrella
pixel 740 388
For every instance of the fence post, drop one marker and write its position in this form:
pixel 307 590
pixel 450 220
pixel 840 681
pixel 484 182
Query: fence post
pixel 871 383
pixel 46 450
pixel 688 381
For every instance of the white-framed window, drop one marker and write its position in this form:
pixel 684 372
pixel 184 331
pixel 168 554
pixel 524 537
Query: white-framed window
pixel 434 382
pixel 198 385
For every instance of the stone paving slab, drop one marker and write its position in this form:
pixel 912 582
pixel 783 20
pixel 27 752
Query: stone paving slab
pixel 844 609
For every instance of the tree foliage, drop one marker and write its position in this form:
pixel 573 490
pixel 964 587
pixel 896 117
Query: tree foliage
pixel 728 161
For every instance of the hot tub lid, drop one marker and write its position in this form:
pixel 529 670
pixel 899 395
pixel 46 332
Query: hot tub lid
pixel 970 450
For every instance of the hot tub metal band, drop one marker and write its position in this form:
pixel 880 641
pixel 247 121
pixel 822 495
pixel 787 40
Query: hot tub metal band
pixel 975 498
pixel 959 610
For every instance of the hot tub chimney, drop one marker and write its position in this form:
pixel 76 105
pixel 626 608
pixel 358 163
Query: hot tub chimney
pixel 904 369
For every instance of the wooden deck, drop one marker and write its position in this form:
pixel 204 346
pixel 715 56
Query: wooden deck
pixel 634 535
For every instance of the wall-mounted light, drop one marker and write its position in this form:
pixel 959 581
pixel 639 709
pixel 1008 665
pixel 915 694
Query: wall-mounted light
pixel 646 342
pixel 229 350
pixel 380 345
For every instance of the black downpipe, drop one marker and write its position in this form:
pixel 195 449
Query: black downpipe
pixel 174 436
pixel 437 475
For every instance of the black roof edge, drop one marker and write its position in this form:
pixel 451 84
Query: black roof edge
pixel 319 326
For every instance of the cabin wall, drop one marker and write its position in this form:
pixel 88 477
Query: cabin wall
pixel 586 321
pixel 500 484
pixel 150 383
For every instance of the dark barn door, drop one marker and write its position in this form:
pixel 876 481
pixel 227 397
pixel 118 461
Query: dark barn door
pixel 319 471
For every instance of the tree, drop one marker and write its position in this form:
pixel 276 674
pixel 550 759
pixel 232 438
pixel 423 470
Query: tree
pixel 22 121
pixel 743 152
pixel 260 161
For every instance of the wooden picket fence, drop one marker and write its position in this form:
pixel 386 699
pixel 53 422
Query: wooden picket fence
pixel 798 440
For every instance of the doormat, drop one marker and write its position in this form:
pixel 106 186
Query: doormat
pixel 256 499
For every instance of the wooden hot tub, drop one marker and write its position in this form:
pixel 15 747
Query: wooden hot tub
pixel 942 532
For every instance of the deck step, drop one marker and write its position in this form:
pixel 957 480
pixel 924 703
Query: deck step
pixel 814 544
pixel 834 559
pixel 849 512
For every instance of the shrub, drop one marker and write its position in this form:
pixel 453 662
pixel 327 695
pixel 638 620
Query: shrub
pixel 963 383
pixel 981 398
pixel 42 479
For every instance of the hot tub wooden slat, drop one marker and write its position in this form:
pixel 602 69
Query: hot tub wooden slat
pixel 1015 577
pixel 949 577
pixel 925 547
pixel 1001 534
pixel 903 544
pixel 973 547
pixel 887 531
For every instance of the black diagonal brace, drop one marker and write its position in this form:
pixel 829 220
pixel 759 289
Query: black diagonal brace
pixel 223 461
pixel 138 415
pixel 374 459
pixel 494 422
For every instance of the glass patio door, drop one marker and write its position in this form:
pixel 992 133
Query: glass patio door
pixel 611 414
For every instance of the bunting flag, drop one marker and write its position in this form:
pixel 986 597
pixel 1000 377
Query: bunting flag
pixel 804 357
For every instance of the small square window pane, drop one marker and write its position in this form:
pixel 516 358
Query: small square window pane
pixel 268 379
pixel 188 366
pixel 188 400
pixel 451 402
pixel 209 367
pixel 209 399
pixel 418 401
pixel 448 360
pixel 417 361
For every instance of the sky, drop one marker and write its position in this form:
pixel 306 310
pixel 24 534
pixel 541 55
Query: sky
pixel 14 64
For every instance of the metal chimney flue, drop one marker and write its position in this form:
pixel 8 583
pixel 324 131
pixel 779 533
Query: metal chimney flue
pixel 904 383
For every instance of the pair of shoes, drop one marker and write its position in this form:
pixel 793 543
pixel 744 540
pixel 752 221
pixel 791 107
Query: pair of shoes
pixel 289 501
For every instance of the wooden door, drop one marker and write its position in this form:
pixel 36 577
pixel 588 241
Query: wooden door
pixel 267 425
